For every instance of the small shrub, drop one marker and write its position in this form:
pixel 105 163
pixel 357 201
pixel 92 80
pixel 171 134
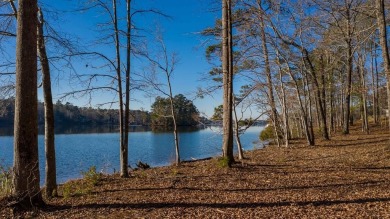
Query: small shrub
pixel 72 188
pixel 141 174
pixel 67 190
pixel 175 172
pixel 5 181
pixel 268 133
pixel 91 176
pixel 223 162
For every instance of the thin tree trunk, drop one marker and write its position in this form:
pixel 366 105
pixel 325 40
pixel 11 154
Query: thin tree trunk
pixel 322 101
pixel 123 151
pixel 330 98
pixel 237 134
pixel 342 98
pixel 287 135
pixel 283 101
pixel 310 113
pixel 380 12
pixel 309 137
pixel 364 95
pixel 175 134
pixel 374 91
pixel 271 99
pixel 51 179
pixel 227 82
pixel 26 179
pixel 347 103
pixel 332 123
pixel 317 111
pixel 318 97
pixel 379 112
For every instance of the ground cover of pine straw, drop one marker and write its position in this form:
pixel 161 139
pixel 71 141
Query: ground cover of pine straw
pixel 346 177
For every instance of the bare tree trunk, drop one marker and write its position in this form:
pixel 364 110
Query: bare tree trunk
pixel 237 134
pixel 175 134
pixel 309 137
pixel 310 113
pixel 299 125
pixel 317 112
pixel 123 151
pixel 378 110
pixel 51 178
pixel 271 99
pixel 347 103
pixel 319 99
pixel 365 127
pixel 373 87
pixel 283 101
pixel 380 13
pixel 308 66
pixel 331 98
pixel 305 125
pixel 322 102
pixel 26 179
pixel 285 115
pixel 342 99
pixel 227 82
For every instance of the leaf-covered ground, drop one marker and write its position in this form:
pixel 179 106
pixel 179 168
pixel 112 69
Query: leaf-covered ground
pixel 347 177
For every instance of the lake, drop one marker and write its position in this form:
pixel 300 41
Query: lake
pixel 77 152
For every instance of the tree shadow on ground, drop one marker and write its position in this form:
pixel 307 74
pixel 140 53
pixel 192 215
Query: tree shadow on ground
pixel 264 189
pixel 354 143
pixel 157 205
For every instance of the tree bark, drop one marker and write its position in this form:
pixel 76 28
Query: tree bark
pixel 26 179
pixel 271 99
pixel 322 102
pixel 347 103
pixel 380 13
pixel 51 178
pixel 123 151
pixel 309 111
pixel 319 92
pixel 373 87
pixel 175 134
pixel 309 137
pixel 365 127
pixel 227 144
pixel 237 134
pixel 285 113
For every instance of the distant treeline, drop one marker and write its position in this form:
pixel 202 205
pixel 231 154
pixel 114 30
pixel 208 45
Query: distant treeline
pixel 68 114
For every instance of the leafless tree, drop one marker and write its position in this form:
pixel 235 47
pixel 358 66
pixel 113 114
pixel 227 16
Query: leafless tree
pixel 163 63
pixel 380 13
pixel 51 178
pixel 27 192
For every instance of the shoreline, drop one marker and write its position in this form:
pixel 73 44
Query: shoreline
pixel 346 177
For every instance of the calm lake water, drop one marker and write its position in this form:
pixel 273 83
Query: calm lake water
pixel 77 152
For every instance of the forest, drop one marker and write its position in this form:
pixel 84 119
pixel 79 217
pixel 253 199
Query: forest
pixel 68 114
pixel 317 71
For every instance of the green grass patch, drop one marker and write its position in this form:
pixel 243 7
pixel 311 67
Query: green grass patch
pixel 223 162
pixel 6 185
pixel 91 178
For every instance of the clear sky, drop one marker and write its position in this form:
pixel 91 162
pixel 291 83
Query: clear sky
pixel 181 34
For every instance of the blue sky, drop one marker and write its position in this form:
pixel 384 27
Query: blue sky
pixel 181 35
